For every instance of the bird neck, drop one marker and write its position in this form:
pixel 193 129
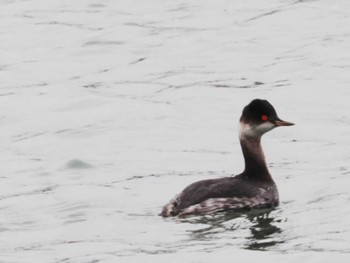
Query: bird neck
pixel 254 158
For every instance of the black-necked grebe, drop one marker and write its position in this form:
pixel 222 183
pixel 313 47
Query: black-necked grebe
pixel 254 188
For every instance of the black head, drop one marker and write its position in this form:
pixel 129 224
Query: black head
pixel 255 111
pixel 259 116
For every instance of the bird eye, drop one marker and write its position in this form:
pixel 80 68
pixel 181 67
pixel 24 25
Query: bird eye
pixel 264 117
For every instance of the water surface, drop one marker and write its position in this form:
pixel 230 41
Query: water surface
pixel 109 108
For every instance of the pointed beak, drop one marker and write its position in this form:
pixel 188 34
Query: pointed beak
pixel 278 122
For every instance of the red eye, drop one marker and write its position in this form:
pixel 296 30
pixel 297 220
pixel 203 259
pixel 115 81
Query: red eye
pixel 264 118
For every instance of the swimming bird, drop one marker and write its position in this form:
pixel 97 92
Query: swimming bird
pixel 253 188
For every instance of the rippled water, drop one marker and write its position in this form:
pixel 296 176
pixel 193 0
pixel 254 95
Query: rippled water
pixel 109 108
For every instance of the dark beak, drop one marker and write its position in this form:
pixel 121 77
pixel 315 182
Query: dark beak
pixel 278 122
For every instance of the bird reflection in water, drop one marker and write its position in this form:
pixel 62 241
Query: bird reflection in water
pixel 263 231
pixel 260 228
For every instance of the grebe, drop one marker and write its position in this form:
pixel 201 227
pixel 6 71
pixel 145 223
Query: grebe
pixel 254 188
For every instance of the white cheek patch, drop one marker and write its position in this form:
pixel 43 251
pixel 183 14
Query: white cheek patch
pixel 266 126
pixel 247 129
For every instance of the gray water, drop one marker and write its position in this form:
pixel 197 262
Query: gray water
pixel 110 108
